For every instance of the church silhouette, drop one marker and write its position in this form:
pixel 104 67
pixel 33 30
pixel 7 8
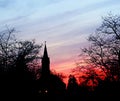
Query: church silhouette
pixel 49 84
pixel 45 64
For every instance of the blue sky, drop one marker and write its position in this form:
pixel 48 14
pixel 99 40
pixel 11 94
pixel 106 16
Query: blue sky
pixel 64 24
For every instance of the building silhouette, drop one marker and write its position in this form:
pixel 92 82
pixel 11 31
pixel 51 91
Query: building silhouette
pixel 45 74
pixel 49 84
pixel 45 64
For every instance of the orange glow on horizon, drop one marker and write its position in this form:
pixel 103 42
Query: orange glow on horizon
pixel 63 67
pixel 66 68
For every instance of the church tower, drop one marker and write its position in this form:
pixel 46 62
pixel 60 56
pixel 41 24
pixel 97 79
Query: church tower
pixel 45 63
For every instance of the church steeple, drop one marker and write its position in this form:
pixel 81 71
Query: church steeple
pixel 45 51
pixel 45 63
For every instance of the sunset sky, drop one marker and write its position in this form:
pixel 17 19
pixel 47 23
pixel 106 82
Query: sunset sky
pixel 64 24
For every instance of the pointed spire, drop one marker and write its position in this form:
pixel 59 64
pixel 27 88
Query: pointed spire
pixel 45 51
pixel 45 63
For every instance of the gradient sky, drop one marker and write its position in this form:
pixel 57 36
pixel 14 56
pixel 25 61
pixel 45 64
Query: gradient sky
pixel 64 24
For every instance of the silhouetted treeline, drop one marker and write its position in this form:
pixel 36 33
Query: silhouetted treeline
pixel 103 54
pixel 17 79
pixel 24 86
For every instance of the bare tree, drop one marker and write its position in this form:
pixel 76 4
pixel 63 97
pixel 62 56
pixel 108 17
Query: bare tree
pixel 104 46
pixel 7 46
pixel 111 26
pixel 14 52
pixel 91 77
pixel 16 58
